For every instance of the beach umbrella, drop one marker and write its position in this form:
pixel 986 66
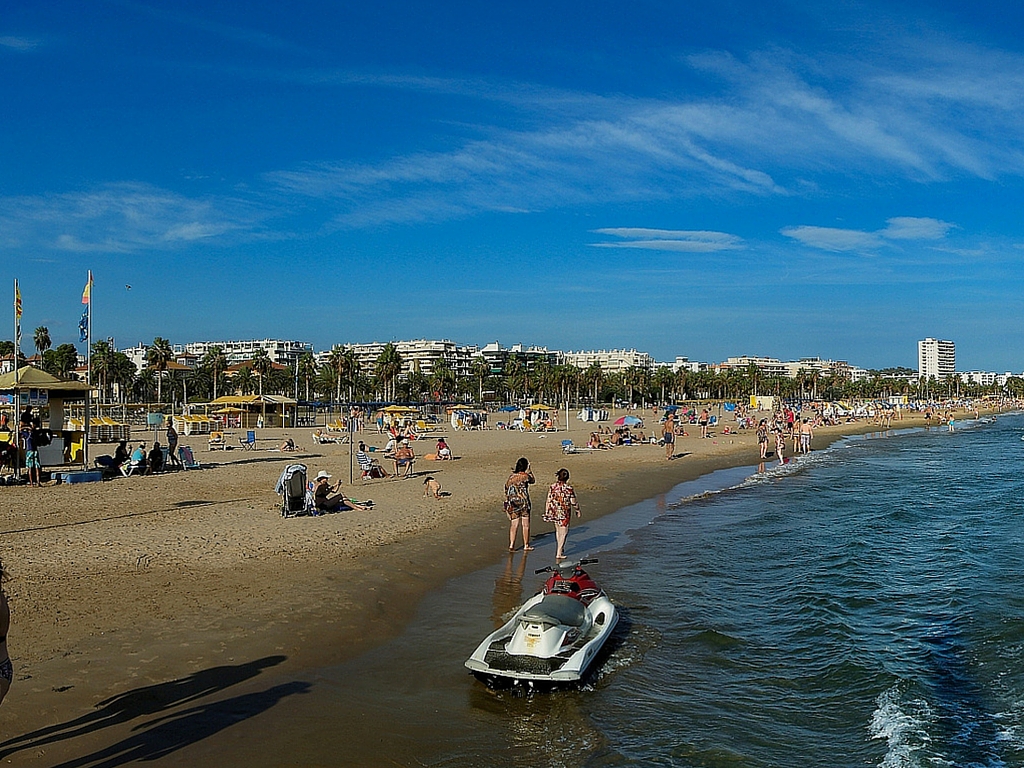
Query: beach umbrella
pixel 671 408
pixel 508 408
pixel 628 421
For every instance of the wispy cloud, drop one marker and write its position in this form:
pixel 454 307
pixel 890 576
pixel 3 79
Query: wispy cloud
pixel 118 218
pixel 18 43
pixel 778 123
pixel 832 239
pixel 684 241
pixel 904 228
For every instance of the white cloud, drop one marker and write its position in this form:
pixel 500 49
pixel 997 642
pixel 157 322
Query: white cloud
pixel 832 239
pixel 118 218
pixel 899 228
pixel 685 241
pixel 18 43
pixel 910 228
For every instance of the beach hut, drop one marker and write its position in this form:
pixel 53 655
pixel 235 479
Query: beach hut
pixel 40 390
pixel 253 410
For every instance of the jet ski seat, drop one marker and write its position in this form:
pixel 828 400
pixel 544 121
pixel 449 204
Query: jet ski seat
pixel 557 609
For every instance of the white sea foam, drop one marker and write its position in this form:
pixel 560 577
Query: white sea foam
pixel 903 725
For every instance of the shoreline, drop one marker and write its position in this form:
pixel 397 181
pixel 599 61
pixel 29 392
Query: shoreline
pixel 329 592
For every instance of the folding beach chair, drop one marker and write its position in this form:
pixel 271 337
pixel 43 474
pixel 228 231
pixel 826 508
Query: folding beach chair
pixel 248 442
pixel 293 489
pixel 188 460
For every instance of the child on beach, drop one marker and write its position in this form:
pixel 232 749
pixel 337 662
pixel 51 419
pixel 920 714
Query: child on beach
pixel 431 488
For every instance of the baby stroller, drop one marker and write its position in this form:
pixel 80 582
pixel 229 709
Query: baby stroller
pixel 292 488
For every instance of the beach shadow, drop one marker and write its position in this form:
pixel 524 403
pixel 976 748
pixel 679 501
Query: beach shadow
pixel 148 700
pixel 172 732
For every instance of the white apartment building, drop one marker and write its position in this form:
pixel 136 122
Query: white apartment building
pixel 684 363
pixel 936 358
pixel 767 365
pixel 279 351
pixel 417 355
pixel 611 361
pixel 825 367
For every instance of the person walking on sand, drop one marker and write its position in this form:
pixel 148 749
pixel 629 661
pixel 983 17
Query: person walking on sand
pixel 517 503
pixel 559 508
pixel 668 435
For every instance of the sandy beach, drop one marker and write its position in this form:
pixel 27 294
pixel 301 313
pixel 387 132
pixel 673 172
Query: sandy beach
pixel 138 581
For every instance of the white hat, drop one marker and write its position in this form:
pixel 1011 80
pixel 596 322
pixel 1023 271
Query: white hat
pixel 323 475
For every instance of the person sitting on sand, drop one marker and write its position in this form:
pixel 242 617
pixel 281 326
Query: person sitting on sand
pixel 155 459
pixel 444 453
pixel 431 488
pixel 288 445
pixel 327 498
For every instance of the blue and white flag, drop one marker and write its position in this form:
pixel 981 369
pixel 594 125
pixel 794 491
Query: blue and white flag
pixel 83 325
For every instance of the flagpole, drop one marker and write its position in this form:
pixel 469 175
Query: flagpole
pixel 88 370
pixel 17 394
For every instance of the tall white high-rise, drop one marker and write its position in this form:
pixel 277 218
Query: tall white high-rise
pixel 936 358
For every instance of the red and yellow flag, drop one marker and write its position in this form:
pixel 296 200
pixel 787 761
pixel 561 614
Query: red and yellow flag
pixel 87 293
pixel 17 301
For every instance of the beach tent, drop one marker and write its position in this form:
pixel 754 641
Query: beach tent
pixel 628 421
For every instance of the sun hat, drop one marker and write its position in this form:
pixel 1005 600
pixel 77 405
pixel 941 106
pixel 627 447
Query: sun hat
pixel 323 475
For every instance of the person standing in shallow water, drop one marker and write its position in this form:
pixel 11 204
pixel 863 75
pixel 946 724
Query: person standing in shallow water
pixel 559 508
pixel 517 503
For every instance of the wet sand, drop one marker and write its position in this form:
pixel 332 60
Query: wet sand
pixel 188 589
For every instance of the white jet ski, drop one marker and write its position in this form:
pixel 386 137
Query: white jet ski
pixel 555 635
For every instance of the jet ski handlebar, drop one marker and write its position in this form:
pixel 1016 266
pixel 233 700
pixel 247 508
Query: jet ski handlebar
pixel 556 568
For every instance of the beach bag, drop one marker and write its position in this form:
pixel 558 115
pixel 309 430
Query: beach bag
pixel 377 472
pixel 516 500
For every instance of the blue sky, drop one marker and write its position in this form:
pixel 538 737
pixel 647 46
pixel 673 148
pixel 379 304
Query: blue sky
pixel 834 179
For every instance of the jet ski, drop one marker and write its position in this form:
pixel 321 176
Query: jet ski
pixel 554 637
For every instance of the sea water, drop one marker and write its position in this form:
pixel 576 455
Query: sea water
pixel 862 606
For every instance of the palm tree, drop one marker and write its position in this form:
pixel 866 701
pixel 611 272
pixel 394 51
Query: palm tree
pixel 261 366
pixel 102 364
pixel 389 365
pixel 244 381
pixel 122 373
pixel 41 339
pixel 157 357
pixel 215 361
pixel 336 360
pixel 307 369
pixel 481 370
pixel 441 379
pixel 663 379
pixel 594 375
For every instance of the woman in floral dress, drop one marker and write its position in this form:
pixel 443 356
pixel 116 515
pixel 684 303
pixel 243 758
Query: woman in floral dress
pixel 561 503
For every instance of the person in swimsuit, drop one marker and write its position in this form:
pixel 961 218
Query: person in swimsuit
pixel 6 670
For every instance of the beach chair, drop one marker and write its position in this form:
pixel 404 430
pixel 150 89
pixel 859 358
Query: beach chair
pixel 130 468
pixel 248 442
pixel 216 441
pixel 296 497
pixel 188 460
